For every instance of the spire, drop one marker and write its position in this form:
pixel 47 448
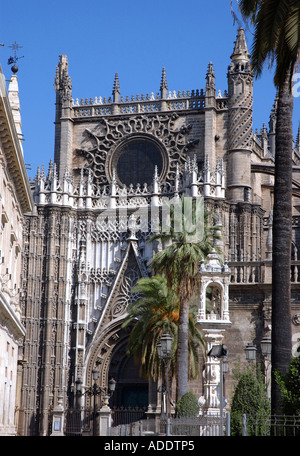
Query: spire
pixel 240 51
pixel 116 89
pixel 163 85
pixel 210 88
pixel 63 83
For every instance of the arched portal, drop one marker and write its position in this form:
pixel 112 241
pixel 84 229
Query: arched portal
pixel 109 356
pixel 132 389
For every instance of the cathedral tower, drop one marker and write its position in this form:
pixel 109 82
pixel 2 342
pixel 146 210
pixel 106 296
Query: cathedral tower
pixel 63 117
pixel 240 88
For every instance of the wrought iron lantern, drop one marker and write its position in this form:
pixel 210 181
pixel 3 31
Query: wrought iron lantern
pixel 266 346
pixel 164 347
pixel 250 353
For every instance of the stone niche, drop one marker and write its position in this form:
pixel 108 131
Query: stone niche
pixel 214 283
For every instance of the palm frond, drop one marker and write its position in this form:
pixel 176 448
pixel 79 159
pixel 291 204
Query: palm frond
pixel 276 36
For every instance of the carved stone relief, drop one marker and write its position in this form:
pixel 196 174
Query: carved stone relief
pixel 100 146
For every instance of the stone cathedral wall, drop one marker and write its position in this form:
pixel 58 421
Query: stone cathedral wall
pixel 80 261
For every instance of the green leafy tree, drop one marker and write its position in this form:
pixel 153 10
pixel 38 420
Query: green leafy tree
pixel 179 263
pixel 277 40
pixel 289 385
pixel 150 316
pixel 250 398
pixel 154 313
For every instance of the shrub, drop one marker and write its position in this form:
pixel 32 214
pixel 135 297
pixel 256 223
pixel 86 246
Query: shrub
pixel 250 398
pixel 289 385
pixel 187 405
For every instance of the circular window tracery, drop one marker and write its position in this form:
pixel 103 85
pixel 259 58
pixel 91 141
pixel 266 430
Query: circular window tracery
pixel 135 161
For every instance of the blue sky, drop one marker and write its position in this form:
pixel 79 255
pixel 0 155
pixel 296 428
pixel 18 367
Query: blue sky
pixel 132 37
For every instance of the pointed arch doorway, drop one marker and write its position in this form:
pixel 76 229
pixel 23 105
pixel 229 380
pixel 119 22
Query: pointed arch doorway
pixel 131 398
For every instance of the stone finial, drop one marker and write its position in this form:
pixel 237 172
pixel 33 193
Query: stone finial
pixel 210 87
pixel 63 83
pixel 116 89
pixel 240 51
pixel 50 170
pixel 210 76
pixel 164 85
pixel 43 176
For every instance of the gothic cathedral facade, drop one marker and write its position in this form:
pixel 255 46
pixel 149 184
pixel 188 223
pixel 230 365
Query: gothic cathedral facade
pixel 87 241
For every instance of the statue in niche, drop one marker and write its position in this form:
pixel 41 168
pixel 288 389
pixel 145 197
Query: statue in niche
pixel 213 300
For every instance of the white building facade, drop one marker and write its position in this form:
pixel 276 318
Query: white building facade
pixel 15 201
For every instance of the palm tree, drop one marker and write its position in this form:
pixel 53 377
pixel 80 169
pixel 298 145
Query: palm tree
pixel 179 262
pixel 154 313
pixel 277 39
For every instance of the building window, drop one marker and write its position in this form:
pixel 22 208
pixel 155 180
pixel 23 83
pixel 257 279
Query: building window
pixel 136 161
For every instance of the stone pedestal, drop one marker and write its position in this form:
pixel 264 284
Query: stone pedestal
pixel 105 420
pixel 212 381
pixel 58 419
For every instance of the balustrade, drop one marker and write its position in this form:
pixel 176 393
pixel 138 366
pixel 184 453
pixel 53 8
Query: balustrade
pixel 252 272
pixel 180 100
pixel 245 272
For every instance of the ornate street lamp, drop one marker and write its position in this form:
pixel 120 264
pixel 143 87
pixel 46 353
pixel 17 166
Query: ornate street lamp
pixel 250 353
pixel 95 391
pixel 266 349
pixel 266 346
pixel 164 349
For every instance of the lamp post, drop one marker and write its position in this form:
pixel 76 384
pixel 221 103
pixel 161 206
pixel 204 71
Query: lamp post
pixel 220 352
pixel 95 391
pixel 164 348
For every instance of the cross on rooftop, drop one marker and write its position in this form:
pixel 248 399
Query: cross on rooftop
pixel 15 47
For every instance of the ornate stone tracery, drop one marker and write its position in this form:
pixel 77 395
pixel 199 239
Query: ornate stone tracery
pixel 110 134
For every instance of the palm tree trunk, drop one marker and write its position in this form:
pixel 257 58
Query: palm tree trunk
pixel 282 237
pixel 183 350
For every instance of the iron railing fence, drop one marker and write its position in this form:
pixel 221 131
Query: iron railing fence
pixel 271 425
pixel 209 425
pixel 79 421
pixel 133 422
pixel 179 426
pixel 127 415
pixel 138 428
pixel 83 421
